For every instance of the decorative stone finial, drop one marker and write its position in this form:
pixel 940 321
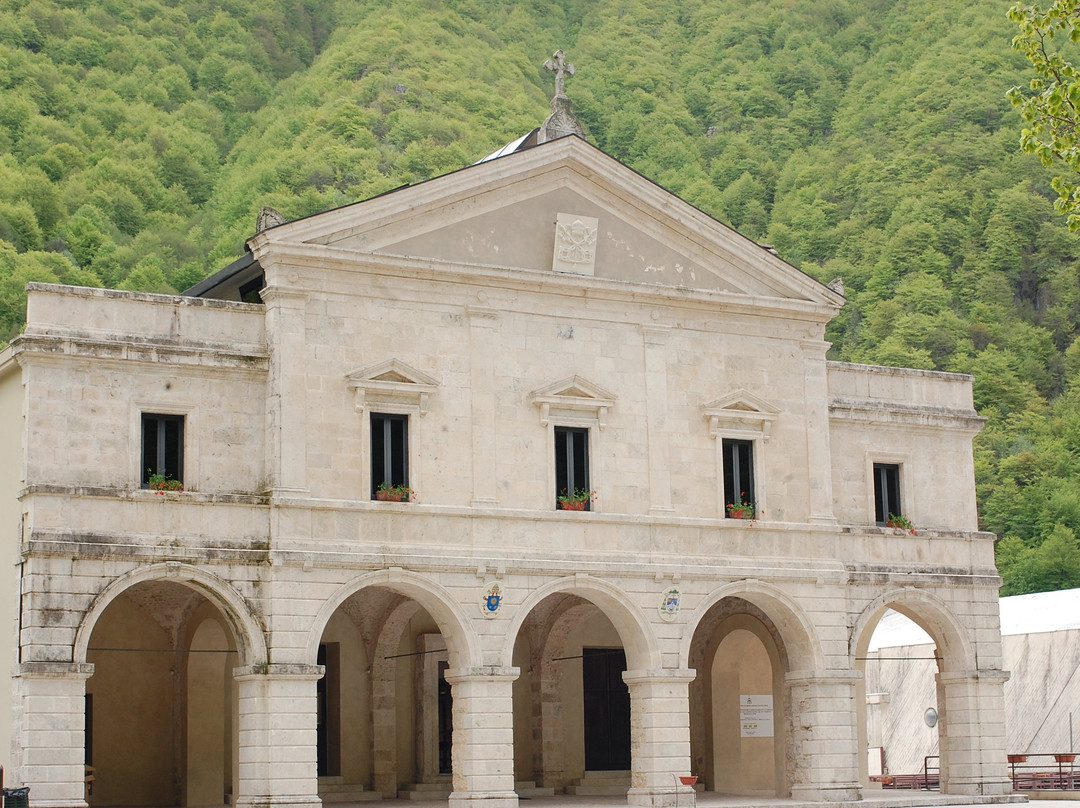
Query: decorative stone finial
pixel 268 217
pixel 561 121
pixel 560 67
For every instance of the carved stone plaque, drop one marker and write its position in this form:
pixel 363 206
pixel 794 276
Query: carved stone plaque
pixel 575 244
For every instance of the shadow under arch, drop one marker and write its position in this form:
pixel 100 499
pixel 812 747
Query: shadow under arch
pixel 247 631
pixel 462 643
pixel 639 642
pixel 799 636
pixel 930 613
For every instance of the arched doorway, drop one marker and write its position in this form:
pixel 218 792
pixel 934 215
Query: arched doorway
pixel 739 713
pixel 385 707
pixel 898 703
pixel 572 706
pixel 948 659
pixel 161 707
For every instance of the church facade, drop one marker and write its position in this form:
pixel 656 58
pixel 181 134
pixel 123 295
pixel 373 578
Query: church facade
pixel 527 479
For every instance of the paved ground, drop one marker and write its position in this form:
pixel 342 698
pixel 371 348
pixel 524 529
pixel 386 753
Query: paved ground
pixel 872 799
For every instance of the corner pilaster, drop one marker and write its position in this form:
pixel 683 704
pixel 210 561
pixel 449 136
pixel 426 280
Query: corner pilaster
pixel 287 391
pixel 971 733
pixel 50 732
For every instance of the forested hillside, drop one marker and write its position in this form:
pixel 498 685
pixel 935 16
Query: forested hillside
pixel 870 140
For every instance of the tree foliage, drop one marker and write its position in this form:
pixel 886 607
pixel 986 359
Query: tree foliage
pixel 868 140
pixel 1051 108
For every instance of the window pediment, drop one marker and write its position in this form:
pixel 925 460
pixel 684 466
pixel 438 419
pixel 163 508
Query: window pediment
pixel 393 386
pixel 573 400
pixel 740 414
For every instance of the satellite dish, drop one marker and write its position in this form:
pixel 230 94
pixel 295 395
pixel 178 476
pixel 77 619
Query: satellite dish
pixel 930 717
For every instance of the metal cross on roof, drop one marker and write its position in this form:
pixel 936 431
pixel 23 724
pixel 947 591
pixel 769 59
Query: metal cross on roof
pixel 558 65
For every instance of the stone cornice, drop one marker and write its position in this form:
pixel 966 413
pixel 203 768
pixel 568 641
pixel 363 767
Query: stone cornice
pixel 908 415
pixel 142 494
pixel 135 349
pixel 529 280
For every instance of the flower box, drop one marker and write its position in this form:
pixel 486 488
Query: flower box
pixel 1065 758
pixel 688 780
pixel 1017 758
pixel 576 500
pixel 394 493
pixel 736 512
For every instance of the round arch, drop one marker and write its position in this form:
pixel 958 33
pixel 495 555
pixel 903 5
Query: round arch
pixel 639 641
pixel 797 631
pixel 930 613
pixel 462 643
pixel 248 632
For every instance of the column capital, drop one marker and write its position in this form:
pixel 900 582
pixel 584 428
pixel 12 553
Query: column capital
pixel 485 673
pixel 281 671
pixel 826 677
pixel 76 671
pixel 964 677
pixel 660 676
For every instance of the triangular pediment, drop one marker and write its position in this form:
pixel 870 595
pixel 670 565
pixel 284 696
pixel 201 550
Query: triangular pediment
pixel 571 398
pixel 393 385
pixel 739 413
pixel 562 208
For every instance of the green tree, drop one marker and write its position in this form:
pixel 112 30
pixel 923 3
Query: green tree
pixel 1051 106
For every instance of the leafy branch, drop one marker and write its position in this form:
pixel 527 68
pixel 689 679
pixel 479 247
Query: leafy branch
pixel 1051 105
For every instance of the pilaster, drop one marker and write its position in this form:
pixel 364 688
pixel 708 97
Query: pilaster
pixel 483 750
pixel 825 740
pixel 278 747
pixel 971 733
pixel 50 699
pixel 656 400
pixel 287 390
pixel 484 350
pixel 660 737
pixel 818 440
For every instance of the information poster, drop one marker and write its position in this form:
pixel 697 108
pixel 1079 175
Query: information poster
pixel 756 716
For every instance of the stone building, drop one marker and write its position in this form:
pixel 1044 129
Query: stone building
pixel 545 322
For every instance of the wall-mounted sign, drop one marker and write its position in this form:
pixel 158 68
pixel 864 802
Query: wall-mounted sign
pixel 756 716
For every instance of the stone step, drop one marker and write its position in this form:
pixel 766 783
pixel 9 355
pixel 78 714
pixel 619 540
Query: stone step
pixel 527 789
pixel 601 784
pixel 439 790
pixel 597 791
pixel 357 794
pixel 336 790
pixel 606 778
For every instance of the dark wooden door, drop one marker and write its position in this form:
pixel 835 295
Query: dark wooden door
pixel 446 721
pixel 607 710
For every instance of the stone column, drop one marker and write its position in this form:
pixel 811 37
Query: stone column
pixel 286 426
pixel 660 737
pixel 50 720
pixel 278 754
pixel 971 733
pixel 825 738
pixel 483 751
